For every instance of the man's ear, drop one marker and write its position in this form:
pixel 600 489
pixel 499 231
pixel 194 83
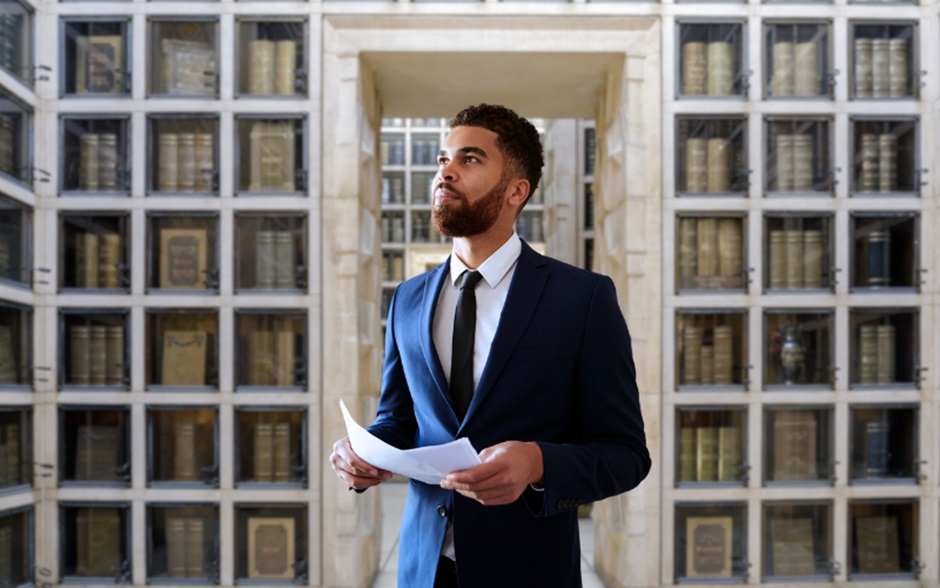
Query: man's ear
pixel 519 191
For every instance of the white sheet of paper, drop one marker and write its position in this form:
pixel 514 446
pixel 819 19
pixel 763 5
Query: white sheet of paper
pixel 425 464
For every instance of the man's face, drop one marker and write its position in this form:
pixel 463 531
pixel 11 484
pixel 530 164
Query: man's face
pixel 470 185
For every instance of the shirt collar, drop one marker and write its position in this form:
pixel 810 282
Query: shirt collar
pixel 496 266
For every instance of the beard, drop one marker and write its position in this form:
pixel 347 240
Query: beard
pixel 462 219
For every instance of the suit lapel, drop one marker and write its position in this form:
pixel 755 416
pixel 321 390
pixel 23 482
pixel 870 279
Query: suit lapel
pixel 432 289
pixel 526 287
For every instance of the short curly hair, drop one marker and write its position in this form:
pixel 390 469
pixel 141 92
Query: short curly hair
pixel 516 138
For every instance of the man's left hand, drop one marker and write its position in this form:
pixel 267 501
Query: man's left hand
pixel 506 470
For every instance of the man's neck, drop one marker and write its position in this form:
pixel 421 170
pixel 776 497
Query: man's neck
pixel 473 251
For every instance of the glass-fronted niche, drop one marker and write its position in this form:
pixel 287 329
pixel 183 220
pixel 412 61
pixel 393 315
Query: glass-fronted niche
pixel 884 445
pixel 95 155
pixel 272 54
pixel 799 249
pixel 94 445
pixel 183 543
pixel 798 156
pixel 796 59
pixel 93 251
pixel 393 265
pixel 883 59
pixel 95 58
pixel 183 446
pixel 184 59
pixel 530 226
pixel 712 156
pixel 424 147
pixel 884 539
pixel 884 347
pixel 712 446
pixel 711 349
pixel 182 252
pixel 95 542
pixel 16 344
pixel 15 138
pixel 712 57
pixel 183 153
pixel 417 227
pixel 886 159
pixel 797 541
pixel 798 445
pixel 16 30
pixel 885 252
pixel 94 349
pixel 182 349
pixel 272 349
pixel 272 446
pixel 17 539
pixel 16 453
pixel 799 349
pixel 16 241
pixel 272 154
pixel 271 543
pixel 711 252
pixel 271 251
pixel 711 542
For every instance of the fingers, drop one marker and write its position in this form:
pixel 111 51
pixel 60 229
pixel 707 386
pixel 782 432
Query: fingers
pixel 352 470
pixel 506 470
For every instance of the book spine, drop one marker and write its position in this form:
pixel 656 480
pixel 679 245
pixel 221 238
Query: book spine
pixel 877 448
pixel 806 69
pixel 176 547
pixel 88 167
pixel 782 82
pixel 696 165
pixel 98 356
pixel 729 454
pixel 107 162
pixel 109 260
pixel 195 548
pixel 706 453
pixel 286 83
pixel 282 447
pixel 186 162
pixel 886 364
pixel 184 466
pixel 694 69
pixel 8 371
pixel 115 352
pixel 261 67
pixel 880 68
pixel 785 162
pixel 877 543
pixel 887 162
pixel 205 162
pixel 794 276
pixel 802 162
pixel 284 266
pixel 868 354
pixel 286 355
pixel 708 365
pixel 778 259
pixel 707 247
pixel 720 69
pixel 812 259
pixel 794 445
pixel 868 174
pixel 7 159
pixel 719 165
pixel 730 260
pixel 863 68
pixel 265 260
pixel 897 67
pixel 879 258
pixel 261 365
pixel 691 355
pixel 724 355
pixel 687 471
pixel 79 355
pixel 168 169
pixel 688 251
pixel 264 452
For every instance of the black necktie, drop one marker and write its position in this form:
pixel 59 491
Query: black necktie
pixel 465 320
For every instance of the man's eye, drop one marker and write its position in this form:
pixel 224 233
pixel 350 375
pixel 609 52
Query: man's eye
pixel 471 159
pixel 441 161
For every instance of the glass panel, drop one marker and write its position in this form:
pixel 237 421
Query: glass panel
pixel 271 447
pixel 424 149
pixel 184 58
pixel 394 266
pixel 393 122
pixel 885 254
pixel 590 151
pixel 183 153
pixel 95 542
pixel 271 350
pixel 272 58
pixel 95 155
pixel 422 183
pixel 711 59
pixel 797 540
pixel 799 252
pixel 95 350
pixel 16 453
pixel 182 349
pixel 16 547
pixel 711 542
pixel 94 251
pixel 588 254
pixel 183 253
pixel 711 253
pixel 885 348
pixel 393 227
pixel 393 149
pixel 271 543
pixel 183 446
pixel 712 349
pixel 16 30
pixel 15 131
pixel 271 155
pixel 588 207
pixel 530 226
pixel 97 59
pixel 798 445
pixel 884 443
pixel 798 348
pixel 16 343
pixel 421 231
pixel 95 446
pixel 712 156
pixel 16 234
pixel 184 543
pixel 712 446
pixel 883 538
pixel 271 252
pixel 885 157
pixel 393 187
pixel 883 61
pixel 797 60
pixel 798 156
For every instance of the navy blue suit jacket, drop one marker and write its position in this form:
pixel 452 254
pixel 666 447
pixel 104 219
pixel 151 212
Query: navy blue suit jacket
pixel 560 373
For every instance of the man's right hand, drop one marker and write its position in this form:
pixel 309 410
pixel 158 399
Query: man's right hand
pixel 350 468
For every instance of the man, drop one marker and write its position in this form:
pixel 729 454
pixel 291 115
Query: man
pixel 540 377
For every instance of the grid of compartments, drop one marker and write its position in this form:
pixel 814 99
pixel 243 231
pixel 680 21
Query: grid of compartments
pixel 180 303
pixel 792 354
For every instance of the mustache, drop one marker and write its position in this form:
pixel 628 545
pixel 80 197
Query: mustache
pixel 449 188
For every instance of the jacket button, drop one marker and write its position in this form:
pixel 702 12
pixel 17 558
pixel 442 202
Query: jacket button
pixel 441 510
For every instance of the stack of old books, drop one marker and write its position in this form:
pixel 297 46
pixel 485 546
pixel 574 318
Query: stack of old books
pixel 275 266
pixel 878 171
pixel 189 67
pixel 707 68
pixel 97 260
pixel 795 69
pixel 794 154
pixel 877 358
pixel 796 259
pixel 272 68
pixel 98 162
pixel 185 547
pixel 185 162
pixel 98 542
pixel 708 164
pixel 710 253
pixel 707 356
pixel 272 453
pixel 880 68
pixel 794 438
pixel 96 355
pixel 710 454
pixel 272 157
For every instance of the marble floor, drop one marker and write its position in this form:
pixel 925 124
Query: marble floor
pixel 393 503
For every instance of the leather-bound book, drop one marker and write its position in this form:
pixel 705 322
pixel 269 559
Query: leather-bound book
pixel 878 259
pixel 99 64
pixel 812 259
pixel 782 81
pixel 792 547
pixel 265 259
pixel 691 355
pixel 706 453
pixel 114 371
pixel 730 256
pixel 794 275
pixel 261 67
pixel 97 355
pixel 176 547
pixel 184 358
pixel 286 79
pixel 880 68
pixel 709 549
pixel 262 360
pixel 696 161
pixel 87 262
pixel 687 466
pixel 720 67
pixel 897 68
pixel 272 157
pixel 778 259
pixel 98 542
pixel 284 266
pixel 282 445
pixel 286 354
pixel 186 162
pixel 271 548
pixel 886 354
pixel 729 454
pixel 707 247
pixel 195 548
pixel 868 354
pixel 79 355
pixel 263 453
pixel 806 69
pixel 708 365
pixel 887 162
pixel 189 67
pixel 877 545
pixel 688 252
pixel 109 260
pixel 107 162
pixel 719 165
pixel 868 174
pixel 183 258
pixel 88 162
pixel 876 448
pixel 724 355
pixel 795 438
pixel 802 162
pixel 785 162
pixel 97 452
pixel 184 447
pixel 168 158
pixel 863 70
pixel 205 162
pixel 694 69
